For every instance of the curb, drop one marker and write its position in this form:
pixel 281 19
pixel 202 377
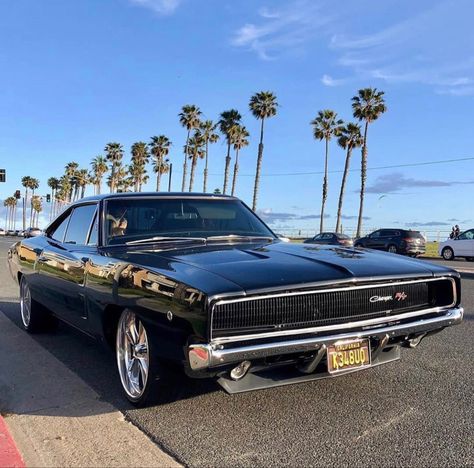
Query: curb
pixel 9 455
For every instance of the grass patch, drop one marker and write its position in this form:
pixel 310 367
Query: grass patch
pixel 432 249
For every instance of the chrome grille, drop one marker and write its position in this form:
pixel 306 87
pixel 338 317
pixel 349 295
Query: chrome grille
pixel 321 308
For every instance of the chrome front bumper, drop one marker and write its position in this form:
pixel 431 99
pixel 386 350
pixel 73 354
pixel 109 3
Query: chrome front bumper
pixel 206 356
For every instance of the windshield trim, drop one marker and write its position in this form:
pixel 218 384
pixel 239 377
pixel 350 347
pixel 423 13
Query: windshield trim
pixel 104 203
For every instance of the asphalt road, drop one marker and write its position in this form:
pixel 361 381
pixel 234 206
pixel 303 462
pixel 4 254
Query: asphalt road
pixel 418 411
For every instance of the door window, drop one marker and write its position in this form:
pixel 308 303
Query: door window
pixel 79 225
pixel 58 232
pixel 375 235
pixel 468 235
pixel 93 235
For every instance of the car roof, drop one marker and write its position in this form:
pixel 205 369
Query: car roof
pixel 109 196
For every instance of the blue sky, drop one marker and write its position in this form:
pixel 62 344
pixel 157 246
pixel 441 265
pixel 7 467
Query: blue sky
pixel 76 75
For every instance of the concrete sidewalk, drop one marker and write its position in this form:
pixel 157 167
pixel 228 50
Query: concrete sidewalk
pixel 56 419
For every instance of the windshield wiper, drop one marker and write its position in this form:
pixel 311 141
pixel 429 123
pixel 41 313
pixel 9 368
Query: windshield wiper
pixel 167 239
pixel 238 237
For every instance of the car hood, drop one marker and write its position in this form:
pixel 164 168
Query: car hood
pixel 221 268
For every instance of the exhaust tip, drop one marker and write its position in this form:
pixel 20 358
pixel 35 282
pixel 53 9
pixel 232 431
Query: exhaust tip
pixel 239 372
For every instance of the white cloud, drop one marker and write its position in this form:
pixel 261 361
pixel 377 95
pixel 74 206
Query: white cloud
pixel 431 45
pixel 328 80
pixel 162 7
pixel 283 30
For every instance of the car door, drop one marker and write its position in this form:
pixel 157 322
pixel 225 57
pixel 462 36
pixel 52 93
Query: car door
pixel 62 264
pixel 374 240
pixel 464 244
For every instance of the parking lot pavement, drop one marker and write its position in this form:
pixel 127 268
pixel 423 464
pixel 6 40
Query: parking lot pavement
pixel 417 412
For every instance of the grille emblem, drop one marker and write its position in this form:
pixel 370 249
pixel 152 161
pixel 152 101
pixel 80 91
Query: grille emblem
pixel 400 296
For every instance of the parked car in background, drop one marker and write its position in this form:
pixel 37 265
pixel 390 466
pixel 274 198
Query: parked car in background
pixel 331 238
pixel 32 232
pixel 2 232
pixel 461 246
pixel 402 241
pixel 11 233
pixel 200 281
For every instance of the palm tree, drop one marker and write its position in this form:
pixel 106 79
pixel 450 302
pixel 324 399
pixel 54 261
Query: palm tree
pixel 195 151
pixel 99 169
pixel 208 128
pixel 159 148
pixel 113 154
pixel 70 172
pixel 138 175
pixel 53 184
pixel 238 137
pixel 137 169
pixel 37 209
pixel 263 105
pixel 189 118
pixel 25 182
pixel 6 204
pixel 118 180
pixel 227 120
pixel 83 180
pixel 367 106
pixel 325 126
pixel 34 184
pixel 349 139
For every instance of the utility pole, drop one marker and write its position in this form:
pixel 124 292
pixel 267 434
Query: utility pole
pixel 169 179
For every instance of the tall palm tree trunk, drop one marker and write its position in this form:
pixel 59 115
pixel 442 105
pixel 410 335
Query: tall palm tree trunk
pixel 325 188
pixel 193 169
pixel 158 181
pixel 204 185
pixel 24 208
pixel 14 215
pixel 343 187
pixel 185 164
pixel 31 207
pixel 227 169
pixel 259 168
pixel 363 178
pixel 7 209
pixel 236 171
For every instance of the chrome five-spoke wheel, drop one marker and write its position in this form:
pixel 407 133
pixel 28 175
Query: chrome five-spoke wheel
pixel 133 355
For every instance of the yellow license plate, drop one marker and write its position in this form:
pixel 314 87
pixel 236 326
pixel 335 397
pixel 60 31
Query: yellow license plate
pixel 347 355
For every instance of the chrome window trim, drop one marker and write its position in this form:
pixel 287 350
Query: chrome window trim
pixel 363 323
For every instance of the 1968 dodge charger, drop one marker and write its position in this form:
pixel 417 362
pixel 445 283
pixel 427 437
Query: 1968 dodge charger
pixel 200 281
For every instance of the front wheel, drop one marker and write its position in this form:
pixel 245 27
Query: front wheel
pixel 392 249
pixel 470 259
pixel 138 369
pixel 448 253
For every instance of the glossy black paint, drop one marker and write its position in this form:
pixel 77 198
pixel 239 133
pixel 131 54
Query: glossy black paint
pixel 88 286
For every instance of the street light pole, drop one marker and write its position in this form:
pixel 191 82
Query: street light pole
pixel 169 178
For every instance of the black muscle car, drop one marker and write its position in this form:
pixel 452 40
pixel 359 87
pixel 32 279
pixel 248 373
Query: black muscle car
pixel 200 281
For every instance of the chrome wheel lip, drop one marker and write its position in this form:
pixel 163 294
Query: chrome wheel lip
pixel 132 352
pixel 25 304
pixel 392 249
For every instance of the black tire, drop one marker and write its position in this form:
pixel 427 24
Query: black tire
pixel 358 246
pixel 470 259
pixel 448 253
pixel 34 317
pixel 140 390
pixel 392 248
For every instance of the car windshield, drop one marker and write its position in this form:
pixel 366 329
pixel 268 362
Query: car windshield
pixel 159 219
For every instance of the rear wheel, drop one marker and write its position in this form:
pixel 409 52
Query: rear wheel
pixel 392 248
pixel 34 317
pixel 448 253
